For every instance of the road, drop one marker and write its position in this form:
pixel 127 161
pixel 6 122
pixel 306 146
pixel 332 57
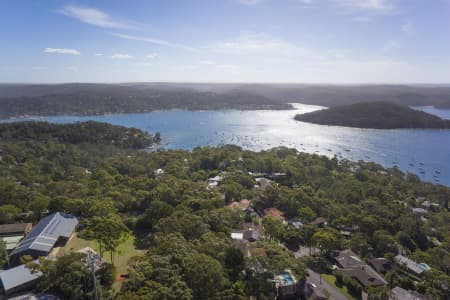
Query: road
pixel 335 294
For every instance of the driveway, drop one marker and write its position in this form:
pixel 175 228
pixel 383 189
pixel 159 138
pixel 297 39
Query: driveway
pixel 335 294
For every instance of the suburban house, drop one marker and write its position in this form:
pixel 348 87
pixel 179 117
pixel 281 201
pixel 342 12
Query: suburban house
pixel 274 213
pixel 12 234
pixel 52 231
pixel 353 266
pixel 262 183
pixel 17 279
pixel 398 293
pixel 287 286
pixel 419 211
pixel 312 292
pixel 214 181
pixel 380 264
pixel 243 205
pixel 411 266
pixel 319 222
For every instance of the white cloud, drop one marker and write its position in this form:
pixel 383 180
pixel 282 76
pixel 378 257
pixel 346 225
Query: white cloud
pixel 39 68
pixel 151 56
pixel 262 44
pixel 62 51
pixel 390 45
pixel 250 2
pixel 153 41
pixel 121 56
pixel 98 54
pixel 408 28
pixel 207 62
pixel 367 5
pixel 92 16
pixel 72 69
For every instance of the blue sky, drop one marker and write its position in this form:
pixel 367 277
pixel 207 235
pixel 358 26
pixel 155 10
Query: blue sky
pixel 311 41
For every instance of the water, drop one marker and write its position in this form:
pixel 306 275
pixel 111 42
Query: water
pixel 423 152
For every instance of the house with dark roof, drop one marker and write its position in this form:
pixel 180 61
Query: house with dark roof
pixel 51 231
pixel 353 266
pixel 380 264
pixel 12 234
pixel 15 229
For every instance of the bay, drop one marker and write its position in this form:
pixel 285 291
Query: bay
pixel 423 152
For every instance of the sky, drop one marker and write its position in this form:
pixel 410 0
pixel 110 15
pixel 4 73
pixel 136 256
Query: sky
pixel 292 41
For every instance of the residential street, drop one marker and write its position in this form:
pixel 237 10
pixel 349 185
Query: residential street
pixel 335 294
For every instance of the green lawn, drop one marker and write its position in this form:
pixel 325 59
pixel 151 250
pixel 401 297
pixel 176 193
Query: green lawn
pixel 124 252
pixel 331 279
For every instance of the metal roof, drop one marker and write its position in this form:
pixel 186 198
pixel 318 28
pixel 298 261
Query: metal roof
pixel 13 228
pixel 17 276
pixel 11 241
pixel 44 235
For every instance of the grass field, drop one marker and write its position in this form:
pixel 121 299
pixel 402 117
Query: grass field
pixel 124 252
pixel 331 279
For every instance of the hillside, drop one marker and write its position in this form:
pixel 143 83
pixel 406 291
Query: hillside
pixel 17 100
pixel 377 115
pixel 78 133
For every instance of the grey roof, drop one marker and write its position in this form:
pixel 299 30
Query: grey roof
pixel 398 293
pixel 347 259
pixel 35 297
pixel 45 234
pixel 409 264
pixel 17 276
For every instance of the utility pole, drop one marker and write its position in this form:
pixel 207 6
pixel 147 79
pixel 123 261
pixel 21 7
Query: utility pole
pixel 91 266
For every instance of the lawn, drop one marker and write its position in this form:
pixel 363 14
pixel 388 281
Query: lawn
pixel 331 279
pixel 124 252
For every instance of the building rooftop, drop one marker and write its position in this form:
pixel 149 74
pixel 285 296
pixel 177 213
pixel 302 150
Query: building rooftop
pixel 15 229
pixel 46 233
pixel 398 293
pixel 354 266
pixel 11 241
pixel 16 277
pixel 274 212
pixel 243 204
pixel 410 264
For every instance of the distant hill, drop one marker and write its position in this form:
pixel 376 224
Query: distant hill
pixel 377 115
pixel 90 132
pixel 18 100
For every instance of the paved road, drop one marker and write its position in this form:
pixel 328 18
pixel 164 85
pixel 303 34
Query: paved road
pixel 335 294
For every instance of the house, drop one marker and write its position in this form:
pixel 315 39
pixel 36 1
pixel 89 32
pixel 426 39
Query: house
pixel 353 266
pixel 313 292
pixel 51 231
pixel 419 211
pixel 17 279
pixel 286 285
pixel 159 172
pixel 410 265
pixel 295 222
pixel 30 296
pixel 15 229
pixel 319 222
pixel 249 232
pixel 262 183
pixel 214 181
pixel 243 205
pixel 430 205
pixel 12 234
pixel 380 264
pixel 398 293
pixel 274 213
